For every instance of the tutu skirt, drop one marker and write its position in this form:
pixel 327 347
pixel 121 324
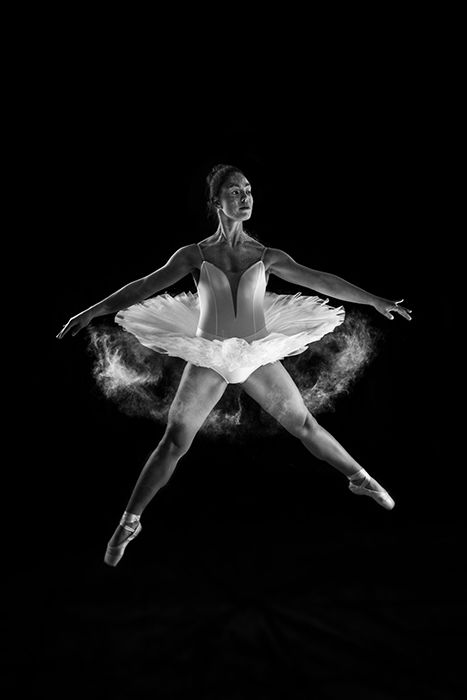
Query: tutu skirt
pixel 169 325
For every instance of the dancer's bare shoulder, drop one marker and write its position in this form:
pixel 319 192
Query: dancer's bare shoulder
pixel 186 258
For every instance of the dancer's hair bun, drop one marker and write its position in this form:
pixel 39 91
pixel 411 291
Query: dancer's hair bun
pixel 217 168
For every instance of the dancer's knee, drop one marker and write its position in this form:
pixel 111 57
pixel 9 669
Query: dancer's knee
pixel 306 427
pixel 178 439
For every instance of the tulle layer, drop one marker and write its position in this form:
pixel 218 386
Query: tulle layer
pixel 168 324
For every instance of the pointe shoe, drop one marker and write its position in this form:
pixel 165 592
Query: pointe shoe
pixel 379 494
pixel 115 552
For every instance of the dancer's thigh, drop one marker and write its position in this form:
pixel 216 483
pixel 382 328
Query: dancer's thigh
pixel 199 390
pixel 275 391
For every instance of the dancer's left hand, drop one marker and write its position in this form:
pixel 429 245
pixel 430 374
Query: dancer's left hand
pixel 386 306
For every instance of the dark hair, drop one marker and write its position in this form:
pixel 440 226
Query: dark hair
pixel 214 181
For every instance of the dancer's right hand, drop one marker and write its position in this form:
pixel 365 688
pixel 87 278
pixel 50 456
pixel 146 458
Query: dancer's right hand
pixel 78 322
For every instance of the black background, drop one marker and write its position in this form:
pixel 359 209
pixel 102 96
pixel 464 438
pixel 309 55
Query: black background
pixel 257 572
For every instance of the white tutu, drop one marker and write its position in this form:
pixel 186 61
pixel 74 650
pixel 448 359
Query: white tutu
pixel 168 325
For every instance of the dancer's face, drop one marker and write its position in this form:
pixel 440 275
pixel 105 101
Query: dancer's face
pixel 235 197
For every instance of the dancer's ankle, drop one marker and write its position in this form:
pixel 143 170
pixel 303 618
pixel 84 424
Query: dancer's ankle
pixel 359 475
pixel 129 518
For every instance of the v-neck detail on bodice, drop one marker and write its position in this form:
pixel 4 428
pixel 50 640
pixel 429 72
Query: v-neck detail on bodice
pixel 233 294
pixel 231 305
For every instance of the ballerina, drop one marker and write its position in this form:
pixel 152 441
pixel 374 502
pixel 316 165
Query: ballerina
pixel 231 331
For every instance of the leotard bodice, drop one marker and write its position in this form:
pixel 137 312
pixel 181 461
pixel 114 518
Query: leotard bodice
pixel 227 310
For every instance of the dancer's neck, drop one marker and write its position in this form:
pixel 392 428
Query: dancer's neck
pixel 230 233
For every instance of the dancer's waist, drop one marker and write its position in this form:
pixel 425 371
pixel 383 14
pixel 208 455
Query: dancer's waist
pixel 262 333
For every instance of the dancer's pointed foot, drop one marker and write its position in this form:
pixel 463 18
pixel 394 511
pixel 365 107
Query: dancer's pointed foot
pixel 362 484
pixel 116 546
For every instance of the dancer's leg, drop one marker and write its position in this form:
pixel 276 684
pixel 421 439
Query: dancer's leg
pixel 155 474
pixel 274 389
pixel 199 391
pixel 324 446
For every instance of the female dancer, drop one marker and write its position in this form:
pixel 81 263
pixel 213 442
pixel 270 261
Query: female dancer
pixel 231 332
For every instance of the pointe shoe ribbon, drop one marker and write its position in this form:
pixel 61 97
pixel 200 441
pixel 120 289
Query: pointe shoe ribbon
pixel 379 494
pixel 115 552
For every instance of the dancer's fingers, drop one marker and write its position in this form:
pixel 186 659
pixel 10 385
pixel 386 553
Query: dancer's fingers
pixel 64 330
pixel 405 313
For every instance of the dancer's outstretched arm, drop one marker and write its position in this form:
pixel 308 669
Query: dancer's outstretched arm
pixel 284 266
pixel 178 265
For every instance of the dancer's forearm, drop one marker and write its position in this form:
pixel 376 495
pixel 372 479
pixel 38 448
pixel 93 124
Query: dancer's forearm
pixel 131 293
pixel 333 286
